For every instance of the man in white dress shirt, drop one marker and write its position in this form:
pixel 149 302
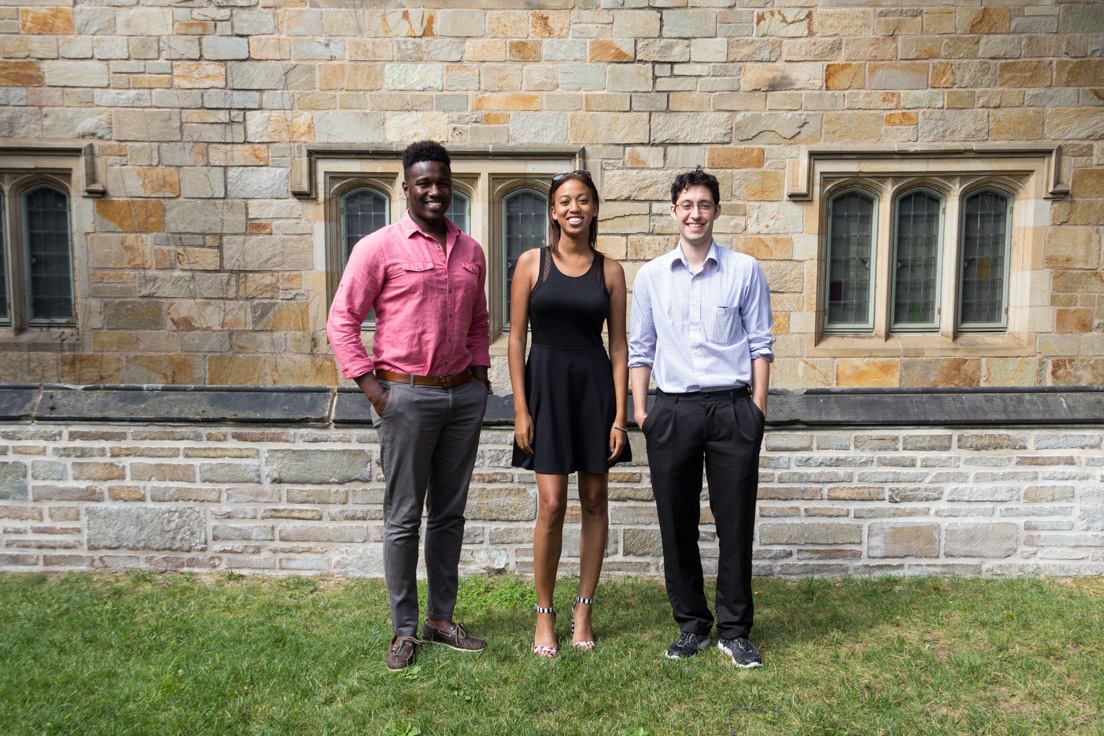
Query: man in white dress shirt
pixel 701 328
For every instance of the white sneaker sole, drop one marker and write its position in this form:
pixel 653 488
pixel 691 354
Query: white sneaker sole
pixel 744 666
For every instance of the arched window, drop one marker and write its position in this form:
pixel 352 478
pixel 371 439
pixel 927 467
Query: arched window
pixel 460 211
pixel 363 211
pixel 48 255
pixel 850 260
pixel 5 312
pixel 983 274
pixel 525 214
pixel 916 249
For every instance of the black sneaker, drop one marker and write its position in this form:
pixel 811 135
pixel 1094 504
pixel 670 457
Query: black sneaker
pixel 687 646
pixel 743 652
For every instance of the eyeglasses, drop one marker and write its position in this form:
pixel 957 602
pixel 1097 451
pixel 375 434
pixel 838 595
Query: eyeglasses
pixel 577 172
pixel 689 207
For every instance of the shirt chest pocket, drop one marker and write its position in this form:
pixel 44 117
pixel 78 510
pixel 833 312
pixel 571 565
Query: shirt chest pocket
pixel 416 279
pixel 721 324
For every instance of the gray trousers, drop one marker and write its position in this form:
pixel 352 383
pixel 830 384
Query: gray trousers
pixel 428 441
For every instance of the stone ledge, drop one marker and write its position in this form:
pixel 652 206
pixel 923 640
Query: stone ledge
pixel 886 407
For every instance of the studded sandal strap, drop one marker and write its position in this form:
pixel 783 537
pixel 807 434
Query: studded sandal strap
pixel 584 601
pixel 550 609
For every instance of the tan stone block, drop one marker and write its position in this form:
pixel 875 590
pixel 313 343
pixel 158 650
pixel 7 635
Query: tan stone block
pixel 303 370
pixel 984 20
pixel 507 24
pixel 84 369
pixel 236 370
pixel 164 369
pixel 150 81
pixel 194 28
pixel 900 118
pixel 631 127
pixel 189 315
pixel 1088 183
pixel 267 48
pixel 844 76
pixel 46 20
pixel 197 259
pixel 258 286
pixel 764 247
pixel 802 373
pixel 259 228
pixel 870 49
pixel 501 77
pixel 939 20
pixel 1077 320
pixel 1077 372
pixel 496 118
pixel 485 49
pixel 524 51
pixel 368 49
pixel 647 247
pixel 612 49
pixel 107 250
pixel 199 74
pixel 130 215
pixel 1016 124
pixel 639 157
pixel 21 74
pixel 240 155
pixel 868 372
pixel 281 316
pixel 843 21
pixel 921 47
pixel 765 185
pixel 144 181
pixel 507 101
pixel 549 24
pixel 1072 247
pixel 902 539
pixel 607 102
pixel 735 157
pixel 899 25
pixel 279 126
pixel 937 372
pixel 1014 372
pixel 688 102
pixel 783 23
pixel 1023 73
pixel 773 77
pixel 350 76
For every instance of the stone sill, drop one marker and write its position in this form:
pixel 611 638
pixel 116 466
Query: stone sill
pixel 913 345
pixel 318 406
pixel 40 339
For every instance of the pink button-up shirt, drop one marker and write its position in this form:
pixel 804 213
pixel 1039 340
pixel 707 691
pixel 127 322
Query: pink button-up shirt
pixel 431 310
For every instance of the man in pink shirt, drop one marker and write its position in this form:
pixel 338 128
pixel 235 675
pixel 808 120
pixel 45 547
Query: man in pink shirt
pixel 427 381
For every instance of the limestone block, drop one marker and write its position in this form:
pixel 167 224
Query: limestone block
pixel 867 372
pixel 629 78
pixel 20 122
pixel 257 182
pixel 992 541
pixel 600 127
pixel 810 533
pixel 961 74
pixel 956 125
pixel 267 253
pixel 13 481
pixel 199 182
pixel 936 372
pixel 691 23
pixel 663 50
pixel 583 76
pixel 144 181
pixel 466 23
pixel 76 123
pixel 852 127
pixel 323 49
pixel 1016 124
pixel 199 216
pixel 270 75
pixel 902 539
pixel 549 24
pixel 89 21
pixel 1075 247
pixel 258 22
pixel 776 218
pixel 277 126
pixel 129 215
pixel 501 504
pixel 565 50
pixel 841 21
pixel 361 561
pixel 416 126
pixel 299 22
pixel 898 75
pixel 144 22
pixel 179 529
pixel 317 467
pixel 413 77
pixel 348 126
pixel 180 47
pixel 636 24
pixel 1079 18
pixel 612 49
pixel 783 23
pixel 21 74
pixel 76 74
pixel 46 20
pixel 224 47
pixel 691 128
pixel 124 314
pixel 777 128
pixel 147 125
pixel 1091 509
pixel 537 127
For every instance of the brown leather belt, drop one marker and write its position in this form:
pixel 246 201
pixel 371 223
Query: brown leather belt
pixel 456 379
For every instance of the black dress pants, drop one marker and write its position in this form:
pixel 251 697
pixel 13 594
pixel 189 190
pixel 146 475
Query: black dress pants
pixel 725 429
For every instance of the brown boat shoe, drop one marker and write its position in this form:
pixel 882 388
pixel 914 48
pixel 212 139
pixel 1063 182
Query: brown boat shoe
pixel 455 637
pixel 402 651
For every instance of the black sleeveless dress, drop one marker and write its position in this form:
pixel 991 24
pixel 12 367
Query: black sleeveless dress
pixel 568 378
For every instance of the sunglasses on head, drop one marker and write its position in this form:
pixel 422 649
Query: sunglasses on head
pixel 577 172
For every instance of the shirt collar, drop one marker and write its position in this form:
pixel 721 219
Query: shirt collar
pixel 409 227
pixel 677 256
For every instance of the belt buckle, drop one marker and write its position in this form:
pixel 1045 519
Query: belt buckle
pixel 442 381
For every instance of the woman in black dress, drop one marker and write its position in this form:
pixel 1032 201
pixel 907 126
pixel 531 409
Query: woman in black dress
pixel 570 398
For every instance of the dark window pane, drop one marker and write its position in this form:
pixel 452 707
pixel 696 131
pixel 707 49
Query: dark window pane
pixel 526 227
pixel 46 222
pixel 984 239
pixel 459 212
pixel 362 213
pixel 850 227
pixel 917 259
pixel 4 313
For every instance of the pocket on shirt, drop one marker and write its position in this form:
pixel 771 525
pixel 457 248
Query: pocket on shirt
pixel 721 324
pixel 416 279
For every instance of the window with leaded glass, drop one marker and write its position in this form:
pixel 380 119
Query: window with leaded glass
pixel 362 212
pixel 850 260
pixel 983 275
pixel 460 211
pixel 48 256
pixel 916 248
pixel 525 226
pixel 5 314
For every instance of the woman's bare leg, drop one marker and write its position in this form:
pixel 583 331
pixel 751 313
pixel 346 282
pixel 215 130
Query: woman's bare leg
pixel 594 502
pixel 547 544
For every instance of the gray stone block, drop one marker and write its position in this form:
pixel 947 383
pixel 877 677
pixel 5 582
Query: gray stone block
pixel 501 504
pixel 893 539
pixel 810 533
pixel 13 481
pixel 991 541
pixel 257 182
pixel 317 466
pixel 1091 514
pixel 178 529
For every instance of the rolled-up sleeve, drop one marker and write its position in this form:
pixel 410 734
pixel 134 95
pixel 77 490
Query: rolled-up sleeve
pixel 756 315
pixel 479 337
pixel 642 331
pixel 360 285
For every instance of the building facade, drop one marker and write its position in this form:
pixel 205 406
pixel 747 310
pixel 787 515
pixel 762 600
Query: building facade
pixel 180 184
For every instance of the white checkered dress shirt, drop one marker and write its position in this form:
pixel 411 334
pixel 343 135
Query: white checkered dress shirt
pixel 700 331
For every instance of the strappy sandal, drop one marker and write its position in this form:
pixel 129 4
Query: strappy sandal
pixel 588 645
pixel 545 652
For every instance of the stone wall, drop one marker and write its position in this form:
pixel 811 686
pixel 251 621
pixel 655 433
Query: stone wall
pixel 289 498
pixel 198 265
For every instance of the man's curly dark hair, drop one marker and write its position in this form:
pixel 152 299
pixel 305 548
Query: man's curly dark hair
pixel 424 151
pixel 695 178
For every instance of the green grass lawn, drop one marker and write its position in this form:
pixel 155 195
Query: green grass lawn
pixel 182 654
